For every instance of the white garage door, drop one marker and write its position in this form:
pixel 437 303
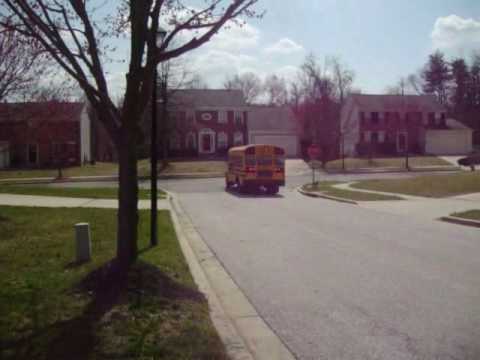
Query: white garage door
pixel 448 142
pixel 287 142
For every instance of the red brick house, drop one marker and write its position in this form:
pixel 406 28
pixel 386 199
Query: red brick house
pixel 394 124
pixel 44 134
pixel 205 122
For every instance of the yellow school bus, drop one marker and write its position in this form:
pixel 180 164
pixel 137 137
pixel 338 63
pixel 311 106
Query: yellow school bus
pixel 255 167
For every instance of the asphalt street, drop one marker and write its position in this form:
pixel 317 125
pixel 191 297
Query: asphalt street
pixel 337 281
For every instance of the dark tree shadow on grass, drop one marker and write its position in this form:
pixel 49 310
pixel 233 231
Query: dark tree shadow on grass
pixel 109 285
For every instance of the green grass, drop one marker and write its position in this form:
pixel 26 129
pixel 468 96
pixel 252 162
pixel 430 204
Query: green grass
pixel 99 169
pixel 181 167
pixel 398 162
pixel 326 188
pixel 470 214
pixel 93 193
pixel 441 185
pixel 53 308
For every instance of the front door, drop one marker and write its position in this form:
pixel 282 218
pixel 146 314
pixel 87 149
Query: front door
pixel 206 143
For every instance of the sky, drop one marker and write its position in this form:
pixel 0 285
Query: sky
pixel 380 40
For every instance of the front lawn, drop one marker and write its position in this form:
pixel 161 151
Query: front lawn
pixel 326 188
pixel 80 192
pixel 441 185
pixel 471 215
pixel 53 308
pixel 397 162
pixel 99 169
pixel 195 167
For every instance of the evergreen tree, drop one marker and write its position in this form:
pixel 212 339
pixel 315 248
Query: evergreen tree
pixel 473 87
pixel 436 76
pixel 460 80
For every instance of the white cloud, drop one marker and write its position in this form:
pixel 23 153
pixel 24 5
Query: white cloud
pixel 453 33
pixel 284 46
pixel 235 38
pixel 215 64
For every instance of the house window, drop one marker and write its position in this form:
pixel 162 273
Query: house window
pixel 362 118
pixel 32 153
pixel 222 117
pixel 190 116
pixel 238 118
pixel 374 117
pixel 238 138
pixel 366 136
pixel 174 142
pixel 381 136
pixel 374 137
pixel 206 116
pixel 222 140
pixel 431 119
pixel 191 142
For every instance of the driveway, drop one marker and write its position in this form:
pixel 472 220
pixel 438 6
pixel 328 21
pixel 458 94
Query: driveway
pixel 337 281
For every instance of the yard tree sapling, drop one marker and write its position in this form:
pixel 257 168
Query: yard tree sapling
pixel 77 35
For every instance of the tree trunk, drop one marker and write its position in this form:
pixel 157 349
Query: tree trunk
pixel 127 198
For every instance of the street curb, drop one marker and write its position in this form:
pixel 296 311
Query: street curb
pixel 323 196
pixel 245 334
pixel 460 221
pixel 392 170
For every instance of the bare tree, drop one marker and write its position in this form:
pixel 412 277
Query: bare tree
pixel 410 85
pixel 196 81
pixel 21 64
pixel 295 95
pixel 249 83
pixel 276 90
pixel 76 35
pixel 342 78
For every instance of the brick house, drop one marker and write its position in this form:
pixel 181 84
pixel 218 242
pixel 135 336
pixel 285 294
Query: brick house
pixel 394 124
pixel 44 134
pixel 205 122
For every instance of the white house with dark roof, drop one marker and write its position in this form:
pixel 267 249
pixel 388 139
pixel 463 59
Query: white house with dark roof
pixel 276 126
pixel 394 124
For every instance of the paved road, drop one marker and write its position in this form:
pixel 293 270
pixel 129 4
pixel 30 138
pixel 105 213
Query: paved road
pixel 337 281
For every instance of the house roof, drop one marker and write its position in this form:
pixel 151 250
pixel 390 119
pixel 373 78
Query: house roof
pixel 208 97
pixel 400 103
pixel 457 125
pixel 267 118
pixel 41 111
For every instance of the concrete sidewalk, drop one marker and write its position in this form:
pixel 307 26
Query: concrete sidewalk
pixel 419 207
pixel 56 201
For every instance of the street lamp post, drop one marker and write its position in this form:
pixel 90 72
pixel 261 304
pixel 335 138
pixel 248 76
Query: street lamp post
pixel 154 154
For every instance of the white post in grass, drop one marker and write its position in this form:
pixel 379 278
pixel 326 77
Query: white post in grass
pixel 83 244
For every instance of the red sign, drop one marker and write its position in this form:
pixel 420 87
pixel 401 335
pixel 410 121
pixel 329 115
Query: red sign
pixel 313 151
